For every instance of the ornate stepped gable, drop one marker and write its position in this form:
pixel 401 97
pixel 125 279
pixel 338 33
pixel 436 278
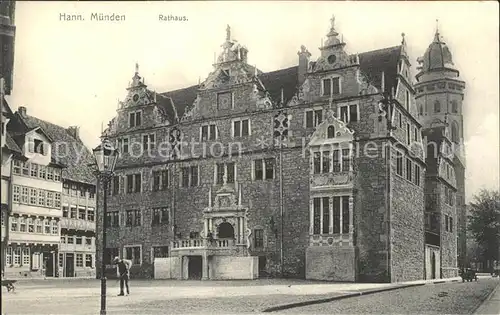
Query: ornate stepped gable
pixel 378 72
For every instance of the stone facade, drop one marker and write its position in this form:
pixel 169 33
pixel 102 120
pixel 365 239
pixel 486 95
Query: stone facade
pixel 327 159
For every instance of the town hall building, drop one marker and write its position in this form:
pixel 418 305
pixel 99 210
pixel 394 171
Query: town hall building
pixel 317 171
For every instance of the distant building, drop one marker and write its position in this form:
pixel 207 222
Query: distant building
pixel 51 231
pixel 439 97
pixel 7 39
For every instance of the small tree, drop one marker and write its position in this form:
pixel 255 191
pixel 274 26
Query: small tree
pixel 484 224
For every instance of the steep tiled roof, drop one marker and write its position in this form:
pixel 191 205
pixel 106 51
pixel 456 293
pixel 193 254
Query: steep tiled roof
pixel 66 150
pixel 274 81
pixel 182 99
pixel 373 63
pixel 11 144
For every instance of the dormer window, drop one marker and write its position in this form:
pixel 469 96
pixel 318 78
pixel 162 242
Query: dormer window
pixel 331 86
pixel 39 147
pixel 331 132
pixel 135 119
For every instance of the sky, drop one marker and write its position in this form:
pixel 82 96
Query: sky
pixel 74 72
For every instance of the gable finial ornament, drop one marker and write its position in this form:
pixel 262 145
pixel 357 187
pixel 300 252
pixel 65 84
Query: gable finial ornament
pixel 136 67
pixel 228 33
pixel 332 22
pixel 403 41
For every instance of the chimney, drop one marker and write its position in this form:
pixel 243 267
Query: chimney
pixel 74 131
pixel 22 111
pixel 304 56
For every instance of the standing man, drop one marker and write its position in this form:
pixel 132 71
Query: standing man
pixel 123 268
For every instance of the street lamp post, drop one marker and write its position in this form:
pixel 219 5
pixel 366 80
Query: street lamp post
pixel 105 160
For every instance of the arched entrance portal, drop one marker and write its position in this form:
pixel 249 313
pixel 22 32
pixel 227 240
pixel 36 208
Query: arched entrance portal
pixel 225 230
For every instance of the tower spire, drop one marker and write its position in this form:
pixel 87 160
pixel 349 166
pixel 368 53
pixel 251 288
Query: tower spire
pixel 436 35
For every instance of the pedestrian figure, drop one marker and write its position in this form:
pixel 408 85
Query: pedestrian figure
pixel 123 266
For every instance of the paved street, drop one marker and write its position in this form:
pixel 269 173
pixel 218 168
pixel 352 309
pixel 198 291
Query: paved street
pixel 446 298
pixel 229 297
pixel 178 297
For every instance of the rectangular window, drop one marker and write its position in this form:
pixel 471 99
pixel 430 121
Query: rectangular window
pixel 79 260
pixel 82 214
pixel 451 224
pixel 26 168
pixel 346 160
pixel 133 253
pixel 399 163
pixel 269 164
pixel 317 162
pixel 8 258
pixel 39 147
pixel 91 192
pixel 258 238
pixel 164 179
pixel 137 183
pixel 116 185
pixel 57 200
pixel 407 100
pixel 336 161
pixel 65 211
pixel 26 256
pixel 113 219
pixel 336 215
pixel 49 202
pixel 133 218
pixel 327 87
pixel 335 86
pixel 74 213
pixel 135 119
pixel 34 170
pixel 227 169
pixel 325 163
pixel 50 173
pixel 408 133
pixel 25 195
pixel 88 260
pixel 123 145
pixel 41 198
pixel 208 132
pixel 185 176
pixel 33 196
pixel 316 215
pixel 313 118
pixel 46 226
pixel 194 176
pixel 241 128
pixel 349 113
pixel 38 226
pixel 160 252
pixel 42 172
pixel 130 184
pixel 258 169
pixel 17 256
pixel 79 240
pixel 408 169
pixel 57 175
pixel 90 214
pixel 88 241
pixel 160 216
pixel 71 239
pixel 345 214
pixel 446 223
pixel 31 225
pixel 415 134
pixel 17 167
pixel 55 228
pixel 416 180
pixel 22 224
pixel 148 142
pixel 326 215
